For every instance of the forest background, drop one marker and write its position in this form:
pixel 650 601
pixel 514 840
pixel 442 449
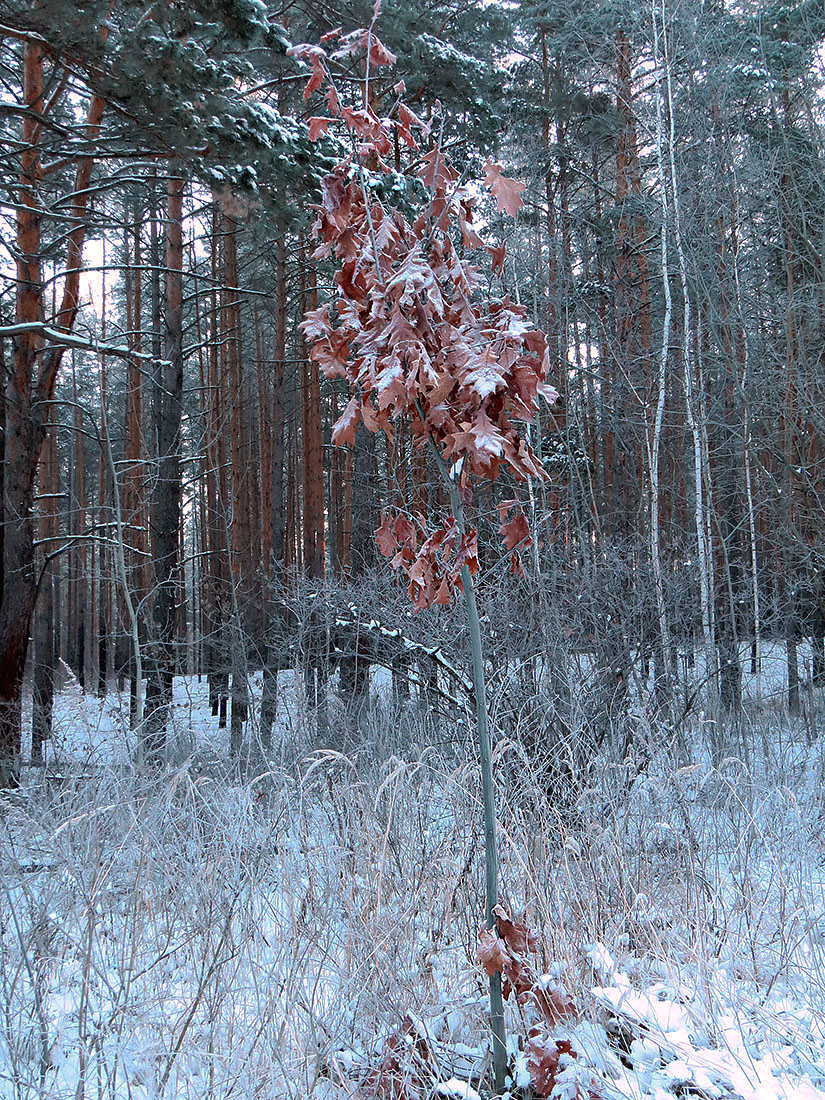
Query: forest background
pixel 178 505
pixel 163 409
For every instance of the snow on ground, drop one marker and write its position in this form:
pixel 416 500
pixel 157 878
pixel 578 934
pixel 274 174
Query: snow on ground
pixel 309 929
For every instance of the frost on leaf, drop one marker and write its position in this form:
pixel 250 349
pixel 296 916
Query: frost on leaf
pixel 410 330
pixel 486 378
pixel 361 40
pixel 344 428
pixel 544 1060
pixel 314 56
pixel 318 126
pixel 490 954
pixel 407 1068
pixel 486 437
pixel 506 191
pixel 390 385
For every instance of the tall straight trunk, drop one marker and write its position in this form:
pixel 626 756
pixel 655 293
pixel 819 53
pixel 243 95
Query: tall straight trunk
pixel 105 626
pixel 292 558
pixel 2 453
pixel 265 443
pixel 313 461
pixel 30 388
pixel 231 340
pixel 168 398
pixel 655 438
pixel 276 565
pixel 742 383
pixel 605 444
pixel 487 783
pixel 215 649
pixel 23 436
pixel 278 412
pixel 790 563
pixel 91 617
pixel 724 460
pixel 239 529
pixel 728 446
pixel 77 647
pixel 335 498
pixel 557 228
pixel 202 550
pixel 133 474
pixel 552 321
pixel 693 402
pixel 633 310
pixel 312 472
pixel 45 648
pixel 201 621
pixel 296 525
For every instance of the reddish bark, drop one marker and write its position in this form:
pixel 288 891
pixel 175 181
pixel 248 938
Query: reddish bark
pixel 167 515
pixel 30 389
pixel 24 434
pixel 313 464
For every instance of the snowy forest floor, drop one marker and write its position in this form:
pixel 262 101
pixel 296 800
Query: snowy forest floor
pixel 310 929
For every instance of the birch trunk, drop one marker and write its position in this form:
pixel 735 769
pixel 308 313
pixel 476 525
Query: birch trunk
pixel 694 425
pixel 654 439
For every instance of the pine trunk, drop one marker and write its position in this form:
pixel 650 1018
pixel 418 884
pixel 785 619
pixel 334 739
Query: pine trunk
pixel 23 436
pixel 166 521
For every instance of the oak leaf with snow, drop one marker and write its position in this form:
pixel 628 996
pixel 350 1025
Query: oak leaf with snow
pixel 506 191
pixel 408 326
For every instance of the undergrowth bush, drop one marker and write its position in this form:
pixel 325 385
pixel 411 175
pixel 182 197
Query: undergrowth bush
pixel 200 935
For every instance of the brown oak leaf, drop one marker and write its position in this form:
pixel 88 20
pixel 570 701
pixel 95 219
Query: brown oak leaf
pixel 516 532
pixel 506 191
pixel 543 1057
pixel 318 126
pixel 490 953
pixel 385 537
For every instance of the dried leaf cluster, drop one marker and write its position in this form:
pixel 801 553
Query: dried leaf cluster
pixel 409 329
pixel 507 949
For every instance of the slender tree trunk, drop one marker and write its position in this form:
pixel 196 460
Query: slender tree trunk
pixel 239 530
pixel 265 443
pixel 654 445
pixel 133 474
pixel 105 628
pixel 3 454
pixel 487 785
pixel 277 565
pixel 79 552
pixel 633 311
pixel 692 405
pixel 30 390
pixel 167 505
pixel 313 465
pixel 23 436
pixel 214 647
pixel 45 650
